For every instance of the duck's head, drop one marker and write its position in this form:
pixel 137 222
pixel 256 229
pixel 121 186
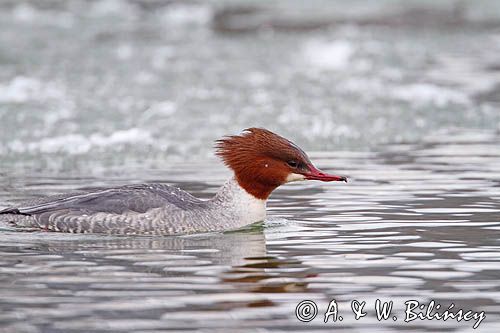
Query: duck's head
pixel 262 161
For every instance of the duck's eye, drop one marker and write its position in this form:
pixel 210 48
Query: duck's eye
pixel 293 164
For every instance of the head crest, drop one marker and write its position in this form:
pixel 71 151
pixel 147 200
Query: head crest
pixel 262 160
pixel 259 159
pixel 254 142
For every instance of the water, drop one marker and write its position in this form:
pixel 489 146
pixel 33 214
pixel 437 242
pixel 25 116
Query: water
pixel 416 222
pixel 105 93
pixel 117 82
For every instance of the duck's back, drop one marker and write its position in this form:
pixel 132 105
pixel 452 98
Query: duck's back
pixel 131 209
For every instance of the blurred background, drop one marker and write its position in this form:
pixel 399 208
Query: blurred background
pixel 401 96
pixel 98 84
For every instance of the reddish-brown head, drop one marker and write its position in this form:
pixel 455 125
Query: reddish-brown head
pixel 262 161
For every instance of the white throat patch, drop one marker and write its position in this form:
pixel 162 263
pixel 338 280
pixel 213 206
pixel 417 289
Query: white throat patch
pixel 293 177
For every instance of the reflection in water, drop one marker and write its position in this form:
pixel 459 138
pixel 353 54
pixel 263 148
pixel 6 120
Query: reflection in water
pixel 58 277
pixel 413 223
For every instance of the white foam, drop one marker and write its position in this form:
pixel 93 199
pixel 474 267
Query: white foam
pixel 182 14
pixel 23 89
pixel 80 144
pixel 424 93
pixel 325 55
pixel 124 51
pixel 24 12
pixel 28 14
pixel 258 79
pixel 162 109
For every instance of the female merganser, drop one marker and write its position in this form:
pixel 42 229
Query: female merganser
pixel 261 161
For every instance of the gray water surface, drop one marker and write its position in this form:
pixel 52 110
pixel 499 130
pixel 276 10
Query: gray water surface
pixel 416 222
pixel 401 96
pixel 95 84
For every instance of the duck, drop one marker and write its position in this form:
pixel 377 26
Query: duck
pixel 259 159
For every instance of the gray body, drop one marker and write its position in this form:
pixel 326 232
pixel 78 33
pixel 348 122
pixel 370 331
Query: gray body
pixel 146 209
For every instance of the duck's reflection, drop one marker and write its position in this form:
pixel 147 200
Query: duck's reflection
pixel 228 249
pixel 236 260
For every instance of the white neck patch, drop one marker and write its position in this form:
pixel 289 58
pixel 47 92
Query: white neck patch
pixel 245 208
pixel 293 177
